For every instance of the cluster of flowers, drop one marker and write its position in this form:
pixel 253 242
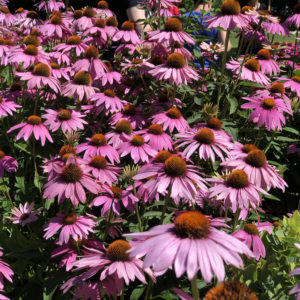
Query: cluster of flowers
pixel 57 72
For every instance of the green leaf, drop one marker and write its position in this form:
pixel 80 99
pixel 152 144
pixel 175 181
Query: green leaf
pixel 250 83
pixel 296 73
pixel 233 104
pixel 286 139
pixel 137 293
pixel 272 197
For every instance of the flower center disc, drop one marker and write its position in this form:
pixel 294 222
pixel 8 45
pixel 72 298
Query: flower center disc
pixel 56 19
pixel 296 79
pixel 251 229
pixel 238 179
pixel 192 225
pixel 64 115
pixel 137 141
pixel 98 139
pixel 174 113
pixel 162 156
pixel 15 87
pixel 173 24
pixel 256 158
pixel 98 162
pixel 129 110
pixel 264 54
pixel 91 52
pixel 41 70
pixel 214 123
pixel 123 126
pixel 54 66
pixel 19 10
pixel 32 15
pixel 128 26
pixel 205 136
pixel 230 7
pixel 112 21
pixel 230 290
pixel 71 173
pixel 109 93
pixel 252 65
pixel 34 120
pixel 66 149
pixel 82 78
pixel 176 60
pixel 175 166
pixel 5 10
pixel 246 9
pixel 268 103
pixel 248 147
pixel 100 23
pixel 77 14
pixel 2 154
pixel 88 12
pixel 156 129
pixel 116 191
pixel 24 216
pixel 117 251
pixel 31 40
pixel 31 50
pixel 277 87
pixel 102 5
pixel 74 40
pixel 69 219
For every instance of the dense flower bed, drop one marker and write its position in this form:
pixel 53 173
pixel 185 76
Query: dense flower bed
pixel 142 166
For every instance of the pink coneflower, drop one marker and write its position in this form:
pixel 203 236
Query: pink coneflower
pixel 179 48
pixel 171 119
pixel 275 28
pixel 236 191
pixel 267 111
pixel 131 113
pixel 175 70
pixel 40 77
pixel 250 71
pixel 174 175
pixel 239 150
pixel 97 145
pixel 71 225
pixel 112 197
pixel 7 163
pixel 86 20
pixel 6 18
pixel 61 57
pixel 157 138
pixel 110 77
pixel 73 43
pixel 102 170
pixel 108 101
pixel 98 31
pixel 51 5
pixel 267 64
pixel 20 13
pixel 123 127
pixel 137 148
pixel 250 236
pixel 171 33
pixel 5 271
pixel 103 8
pixel 7 107
pixel 294 20
pixel 30 21
pixel 69 182
pixel 91 63
pixel 292 83
pixel 28 56
pixel 24 214
pixel 127 34
pixel 229 18
pixel 35 126
pixel 59 72
pixel 80 87
pixel 294 148
pixel 296 289
pixel 259 171
pixel 196 245
pixel 207 143
pixel 67 119
pixel 111 26
pixel 115 267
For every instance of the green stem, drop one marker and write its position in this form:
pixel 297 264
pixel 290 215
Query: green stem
pixel 108 223
pixel 235 219
pixel 223 68
pixel 149 290
pixel 295 48
pixel 194 288
pixel 36 173
pixel 241 44
pixel 159 4
pixel 165 205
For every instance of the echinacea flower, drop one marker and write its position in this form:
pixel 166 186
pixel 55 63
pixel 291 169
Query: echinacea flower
pixel 6 17
pixel 292 83
pixel 97 145
pixel 127 34
pixel 35 126
pixel 7 107
pixel 99 31
pixel 40 77
pixel 275 28
pixel 267 64
pixel 250 236
pixel 30 21
pixel 236 191
pixel 5 271
pixel 73 42
pixel 268 112
pixel 123 127
pixel 66 119
pixel 51 5
pixel 69 182
pixel 295 289
pixel 24 214
pixel 170 120
pixel 260 172
pixel 196 246
pixel 110 76
pixel 138 149
pixel 175 70
pixel 70 226
pixel 86 20
pixel 294 20
pixel 230 17
pixel 60 72
pixel 7 163
pixel 114 266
